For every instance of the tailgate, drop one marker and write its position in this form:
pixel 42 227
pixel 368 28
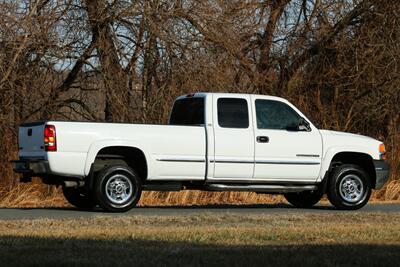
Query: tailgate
pixel 31 137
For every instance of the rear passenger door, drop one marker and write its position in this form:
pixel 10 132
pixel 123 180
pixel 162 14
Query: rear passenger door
pixel 233 137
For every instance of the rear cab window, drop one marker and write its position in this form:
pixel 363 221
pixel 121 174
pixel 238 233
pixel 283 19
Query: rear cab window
pixel 188 112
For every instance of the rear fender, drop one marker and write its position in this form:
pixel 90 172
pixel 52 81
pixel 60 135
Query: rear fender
pixel 97 146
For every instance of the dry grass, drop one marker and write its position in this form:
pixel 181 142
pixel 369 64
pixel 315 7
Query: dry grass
pixel 190 197
pixel 392 190
pixel 346 239
pixel 39 195
pixel 226 229
pixel 31 195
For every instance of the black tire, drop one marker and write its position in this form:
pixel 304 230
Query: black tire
pixel 117 188
pixel 305 199
pixel 79 198
pixel 355 194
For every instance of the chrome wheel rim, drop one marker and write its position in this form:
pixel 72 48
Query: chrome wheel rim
pixel 351 188
pixel 119 189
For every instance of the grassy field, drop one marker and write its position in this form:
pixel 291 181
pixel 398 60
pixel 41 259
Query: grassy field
pixel 345 239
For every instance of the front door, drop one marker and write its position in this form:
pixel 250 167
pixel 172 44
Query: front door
pixel 282 151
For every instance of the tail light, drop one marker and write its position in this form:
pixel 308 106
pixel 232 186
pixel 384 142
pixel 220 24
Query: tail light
pixel 50 142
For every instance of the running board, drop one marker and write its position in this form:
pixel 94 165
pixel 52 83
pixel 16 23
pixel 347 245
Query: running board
pixel 261 188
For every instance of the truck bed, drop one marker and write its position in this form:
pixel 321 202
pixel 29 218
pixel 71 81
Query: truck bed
pixel 78 143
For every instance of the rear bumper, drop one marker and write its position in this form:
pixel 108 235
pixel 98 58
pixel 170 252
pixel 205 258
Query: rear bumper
pixel 31 166
pixel 382 171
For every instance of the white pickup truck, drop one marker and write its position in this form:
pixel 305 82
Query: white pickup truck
pixel 215 142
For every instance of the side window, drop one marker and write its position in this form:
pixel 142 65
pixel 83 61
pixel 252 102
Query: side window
pixel 275 115
pixel 188 111
pixel 233 113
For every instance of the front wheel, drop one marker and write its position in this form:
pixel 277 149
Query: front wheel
pixel 79 198
pixel 305 199
pixel 349 187
pixel 117 188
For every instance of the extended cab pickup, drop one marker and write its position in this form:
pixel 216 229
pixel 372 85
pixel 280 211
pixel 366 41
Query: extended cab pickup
pixel 215 142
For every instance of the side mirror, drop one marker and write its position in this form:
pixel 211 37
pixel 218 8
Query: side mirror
pixel 304 125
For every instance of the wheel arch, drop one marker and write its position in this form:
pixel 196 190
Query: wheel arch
pixel 361 159
pixel 133 155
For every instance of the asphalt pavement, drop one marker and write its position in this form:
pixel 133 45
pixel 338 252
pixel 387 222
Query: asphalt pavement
pixel 67 213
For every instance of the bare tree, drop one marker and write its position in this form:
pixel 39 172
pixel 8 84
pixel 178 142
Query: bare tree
pixel 126 60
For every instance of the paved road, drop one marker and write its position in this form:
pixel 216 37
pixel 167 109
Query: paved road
pixel 60 213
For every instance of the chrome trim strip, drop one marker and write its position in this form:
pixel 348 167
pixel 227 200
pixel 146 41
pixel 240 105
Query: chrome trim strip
pixel 268 162
pixel 182 160
pixel 232 161
pixel 288 162
pixel 244 161
pixel 307 155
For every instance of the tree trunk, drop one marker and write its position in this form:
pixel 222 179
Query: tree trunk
pixel 116 89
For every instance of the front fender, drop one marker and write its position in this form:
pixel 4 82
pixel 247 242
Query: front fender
pixel 331 152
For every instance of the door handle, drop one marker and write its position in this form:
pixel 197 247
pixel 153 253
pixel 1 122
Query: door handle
pixel 262 139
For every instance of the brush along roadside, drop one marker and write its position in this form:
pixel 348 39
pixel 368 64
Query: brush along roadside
pixel 39 195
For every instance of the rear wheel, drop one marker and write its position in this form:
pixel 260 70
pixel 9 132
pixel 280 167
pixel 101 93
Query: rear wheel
pixel 305 199
pixel 349 187
pixel 79 198
pixel 117 188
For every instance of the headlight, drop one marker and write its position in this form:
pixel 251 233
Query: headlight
pixel 382 151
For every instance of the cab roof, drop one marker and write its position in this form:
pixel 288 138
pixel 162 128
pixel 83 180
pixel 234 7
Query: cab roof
pixel 205 94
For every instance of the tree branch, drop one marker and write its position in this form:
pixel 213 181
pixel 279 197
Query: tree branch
pixel 316 47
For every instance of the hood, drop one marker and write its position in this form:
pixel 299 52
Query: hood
pixel 345 134
pixel 343 141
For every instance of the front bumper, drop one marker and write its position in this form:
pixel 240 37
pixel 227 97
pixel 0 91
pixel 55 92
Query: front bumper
pixel 382 171
pixel 31 167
